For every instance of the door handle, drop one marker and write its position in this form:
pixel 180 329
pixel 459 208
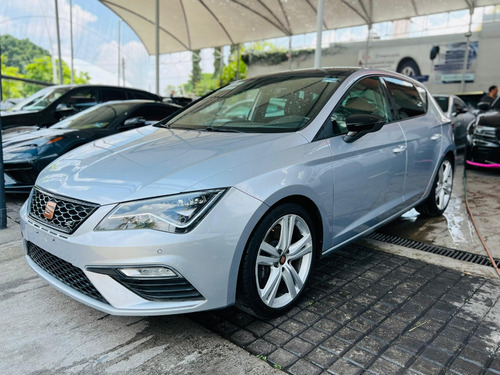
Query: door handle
pixel 399 149
pixel 436 137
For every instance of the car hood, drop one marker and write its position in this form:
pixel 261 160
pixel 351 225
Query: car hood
pixel 32 138
pixel 151 161
pixel 490 119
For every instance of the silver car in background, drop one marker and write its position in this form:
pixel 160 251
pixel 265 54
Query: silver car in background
pixel 203 211
pixel 459 114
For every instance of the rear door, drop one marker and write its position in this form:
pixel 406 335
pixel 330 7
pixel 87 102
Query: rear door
pixel 423 135
pixel 369 173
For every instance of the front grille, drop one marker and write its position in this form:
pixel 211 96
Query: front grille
pixel 69 214
pixel 63 271
pixel 160 289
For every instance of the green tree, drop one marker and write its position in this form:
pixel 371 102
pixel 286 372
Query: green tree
pixel 196 68
pixel 206 84
pixel 10 88
pixel 20 52
pixel 41 70
pixel 229 71
pixel 218 63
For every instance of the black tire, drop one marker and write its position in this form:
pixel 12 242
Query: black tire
pixel 273 287
pixel 409 67
pixel 440 194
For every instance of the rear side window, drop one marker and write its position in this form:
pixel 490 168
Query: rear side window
pixel 154 113
pixel 141 95
pixel 113 94
pixel 408 101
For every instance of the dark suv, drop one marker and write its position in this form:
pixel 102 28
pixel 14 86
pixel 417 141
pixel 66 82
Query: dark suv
pixel 51 104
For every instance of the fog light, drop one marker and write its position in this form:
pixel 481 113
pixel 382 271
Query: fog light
pixel 148 272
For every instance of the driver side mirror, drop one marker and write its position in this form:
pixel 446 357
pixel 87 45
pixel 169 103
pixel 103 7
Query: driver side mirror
pixel 359 125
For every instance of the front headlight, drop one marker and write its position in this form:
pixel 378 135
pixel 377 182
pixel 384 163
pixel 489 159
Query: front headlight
pixel 174 214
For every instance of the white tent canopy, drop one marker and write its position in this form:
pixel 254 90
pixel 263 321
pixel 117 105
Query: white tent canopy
pixel 194 24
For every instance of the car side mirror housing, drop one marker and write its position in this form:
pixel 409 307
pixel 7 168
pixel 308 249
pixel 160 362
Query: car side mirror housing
pixel 134 121
pixel 483 106
pixel 359 125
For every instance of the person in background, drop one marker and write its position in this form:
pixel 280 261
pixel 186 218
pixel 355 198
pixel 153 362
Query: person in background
pixel 491 95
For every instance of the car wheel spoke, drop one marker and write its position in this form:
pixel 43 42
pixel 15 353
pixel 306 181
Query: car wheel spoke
pixel 289 282
pixel 266 261
pixel 300 248
pixel 270 249
pixel 297 280
pixel 268 293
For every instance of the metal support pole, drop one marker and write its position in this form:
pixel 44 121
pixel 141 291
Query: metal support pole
pixel 59 44
pixel 367 51
pixel 290 52
pixel 119 50
pixel 319 33
pixel 71 39
pixel 467 47
pixel 157 46
pixel 123 71
pixel 3 208
pixel 238 62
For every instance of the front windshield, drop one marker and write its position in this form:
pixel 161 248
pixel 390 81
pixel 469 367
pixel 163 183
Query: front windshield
pixel 40 99
pixel 93 118
pixel 282 103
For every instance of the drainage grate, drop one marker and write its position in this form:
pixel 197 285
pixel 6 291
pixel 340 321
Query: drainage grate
pixel 440 250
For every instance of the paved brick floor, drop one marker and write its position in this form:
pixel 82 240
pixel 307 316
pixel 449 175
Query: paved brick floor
pixel 373 312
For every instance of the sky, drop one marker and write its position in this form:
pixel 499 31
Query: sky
pixel 95 40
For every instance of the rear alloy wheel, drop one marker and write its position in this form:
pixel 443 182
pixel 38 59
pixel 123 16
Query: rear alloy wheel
pixel 277 262
pixel 440 195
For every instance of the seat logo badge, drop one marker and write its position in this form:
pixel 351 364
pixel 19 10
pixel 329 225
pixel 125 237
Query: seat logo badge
pixel 49 210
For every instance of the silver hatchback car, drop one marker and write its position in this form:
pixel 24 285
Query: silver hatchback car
pixel 207 209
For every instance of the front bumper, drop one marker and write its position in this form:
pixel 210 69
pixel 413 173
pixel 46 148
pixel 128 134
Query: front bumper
pixel 20 176
pixel 207 258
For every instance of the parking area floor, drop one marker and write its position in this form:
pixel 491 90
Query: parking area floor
pixel 365 311
pixel 374 312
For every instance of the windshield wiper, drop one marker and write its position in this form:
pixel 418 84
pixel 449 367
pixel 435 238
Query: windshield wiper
pixel 222 129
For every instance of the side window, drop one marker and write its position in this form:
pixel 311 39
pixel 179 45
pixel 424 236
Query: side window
pixel 153 113
pixel 113 94
pixel 408 101
pixel 81 98
pixel 365 97
pixel 140 95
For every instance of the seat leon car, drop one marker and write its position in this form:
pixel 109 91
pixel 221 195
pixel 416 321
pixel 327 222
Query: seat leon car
pixel 26 154
pixel 201 212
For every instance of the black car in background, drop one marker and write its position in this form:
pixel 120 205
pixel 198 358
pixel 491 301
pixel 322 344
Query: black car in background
pixel 483 139
pixel 459 114
pixel 26 154
pixel 51 104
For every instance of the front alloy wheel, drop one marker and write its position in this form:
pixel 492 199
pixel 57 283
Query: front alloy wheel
pixel 441 191
pixel 278 261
